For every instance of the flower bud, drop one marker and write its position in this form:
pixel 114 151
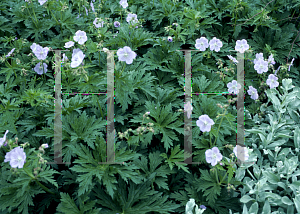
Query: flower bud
pixel 130 130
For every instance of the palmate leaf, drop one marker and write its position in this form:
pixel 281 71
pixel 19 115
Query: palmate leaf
pixel 164 119
pixel 82 128
pixel 68 205
pixel 134 198
pixel 209 186
pixel 176 156
pixel 89 165
pixel 162 172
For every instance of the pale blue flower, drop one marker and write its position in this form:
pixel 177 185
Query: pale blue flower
pixel 80 37
pixel 69 44
pixel 170 39
pixel 132 18
pixel 42 2
pixel 86 11
pixel 39 68
pixel 271 60
pixel 16 157
pixel 77 58
pixel 98 23
pixel 272 81
pixel 261 66
pixel 44 146
pixel 40 52
pixel 64 57
pixel 2 140
pixel 215 44
pixel 291 64
pixel 253 93
pixel 123 3
pixel 259 56
pixel 277 70
pixel 126 54
pixel 204 123
pixel 117 24
pixel 202 44
pixel 202 207
pixel 213 156
pixel 92 6
pixel 234 87
pixel 241 45
pixel 10 52
pixel 232 58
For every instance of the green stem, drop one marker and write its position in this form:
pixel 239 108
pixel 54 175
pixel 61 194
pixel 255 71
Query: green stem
pixel 35 16
pixel 217 176
pixel 220 126
pixel 99 59
pixel 122 70
pixel 223 179
pixel 31 17
pixel 54 18
pixel 41 185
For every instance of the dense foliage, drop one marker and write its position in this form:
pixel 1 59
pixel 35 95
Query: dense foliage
pixel 150 144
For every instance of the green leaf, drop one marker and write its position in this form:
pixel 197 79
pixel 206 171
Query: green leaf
pixel 176 156
pixel 246 198
pixel 286 200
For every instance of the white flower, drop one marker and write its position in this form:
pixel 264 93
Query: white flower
pixel 42 2
pixel 241 45
pixel 202 43
pixel 126 54
pixel 232 58
pixel 98 22
pixel 215 44
pixel 2 140
pixel 69 44
pixel 80 37
pixel 234 87
pixel 132 18
pixel 77 58
pixel 123 3
pixel 16 157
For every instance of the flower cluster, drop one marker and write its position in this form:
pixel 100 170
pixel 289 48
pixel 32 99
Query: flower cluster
pixel 202 44
pixel 213 156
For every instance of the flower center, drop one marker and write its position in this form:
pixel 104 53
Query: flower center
pixel 214 156
pixel 19 159
pixel 125 54
pixel 205 123
pixel 253 92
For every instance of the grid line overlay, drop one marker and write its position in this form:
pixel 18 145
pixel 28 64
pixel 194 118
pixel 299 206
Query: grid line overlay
pixel 240 111
pixel 58 110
